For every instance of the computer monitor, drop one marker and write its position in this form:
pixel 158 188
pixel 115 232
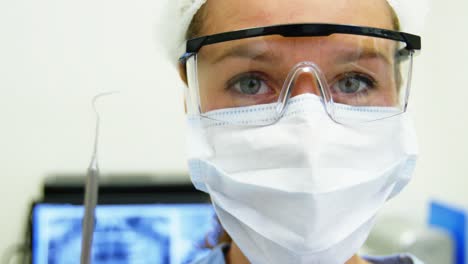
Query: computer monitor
pixel 133 233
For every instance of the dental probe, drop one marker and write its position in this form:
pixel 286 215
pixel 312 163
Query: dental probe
pixel 91 193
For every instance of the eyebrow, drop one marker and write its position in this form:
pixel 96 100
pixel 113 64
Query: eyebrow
pixel 249 51
pixel 365 53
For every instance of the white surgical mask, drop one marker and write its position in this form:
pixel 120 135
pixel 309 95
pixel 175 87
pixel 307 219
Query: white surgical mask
pixel 305 189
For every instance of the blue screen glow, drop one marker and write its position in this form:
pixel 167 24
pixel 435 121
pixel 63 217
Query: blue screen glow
pixel 143 234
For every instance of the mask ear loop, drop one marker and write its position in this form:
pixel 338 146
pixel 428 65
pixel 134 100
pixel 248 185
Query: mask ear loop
pixel 320 79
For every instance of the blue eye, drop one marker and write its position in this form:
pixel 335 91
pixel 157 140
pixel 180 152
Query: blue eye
pixel 353 84
pixel 249 85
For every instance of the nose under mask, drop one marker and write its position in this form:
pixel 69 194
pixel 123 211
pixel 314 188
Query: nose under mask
pixel 304 189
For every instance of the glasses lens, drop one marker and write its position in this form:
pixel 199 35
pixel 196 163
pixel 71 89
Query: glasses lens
pixel 348 72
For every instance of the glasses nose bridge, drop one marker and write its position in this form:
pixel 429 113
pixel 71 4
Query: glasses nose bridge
pixel 304 78
pixel 305 82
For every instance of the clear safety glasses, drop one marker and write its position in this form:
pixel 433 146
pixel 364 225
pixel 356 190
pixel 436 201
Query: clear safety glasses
pixel 366 69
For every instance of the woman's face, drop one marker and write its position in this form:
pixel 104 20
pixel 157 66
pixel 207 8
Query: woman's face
pixel 348 62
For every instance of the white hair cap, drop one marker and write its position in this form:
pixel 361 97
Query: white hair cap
pixel 178 15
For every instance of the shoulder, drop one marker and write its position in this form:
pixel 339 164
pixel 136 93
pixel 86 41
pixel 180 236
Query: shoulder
pixel 216 256
pixel 395 259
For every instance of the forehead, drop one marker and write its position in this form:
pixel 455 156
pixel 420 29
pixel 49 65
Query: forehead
pixel 276 49
pixel 229 15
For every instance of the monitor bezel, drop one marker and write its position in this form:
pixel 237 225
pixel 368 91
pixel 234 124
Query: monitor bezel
pixel 163 194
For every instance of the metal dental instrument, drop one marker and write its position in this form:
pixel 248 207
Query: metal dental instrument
pixel 91 192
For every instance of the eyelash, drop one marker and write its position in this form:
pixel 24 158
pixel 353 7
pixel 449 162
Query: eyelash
pixel 236 79
pixel 368 80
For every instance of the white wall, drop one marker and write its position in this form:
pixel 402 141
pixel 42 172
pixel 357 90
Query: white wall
pixel 55 55
pixel 439 109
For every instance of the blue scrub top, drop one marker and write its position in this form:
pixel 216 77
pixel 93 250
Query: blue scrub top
pixel 216 256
